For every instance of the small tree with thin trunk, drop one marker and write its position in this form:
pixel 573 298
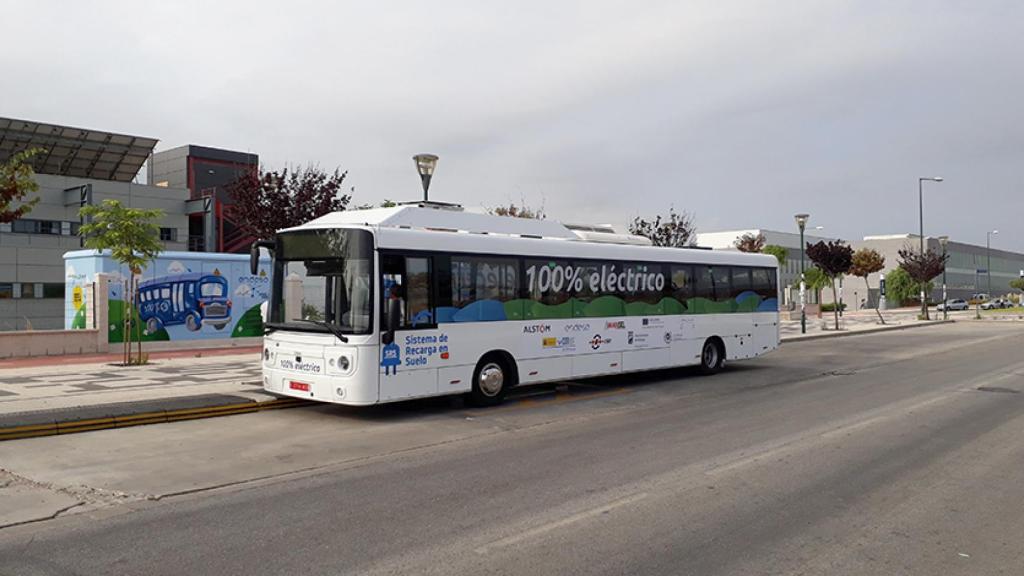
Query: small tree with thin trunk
pixel 677 230
pixel 133 238
pixel 16 182
pixel 922 268
pixel 750 242
pixel 867 261
pixel 833 259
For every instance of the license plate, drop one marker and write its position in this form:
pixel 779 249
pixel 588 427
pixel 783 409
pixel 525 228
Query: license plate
pixel 302 386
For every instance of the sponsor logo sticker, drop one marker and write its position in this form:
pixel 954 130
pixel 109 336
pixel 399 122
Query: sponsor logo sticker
pixel 537 329
pixel 616 325
pixel 578 327
pixel 596 342
pixel 560 343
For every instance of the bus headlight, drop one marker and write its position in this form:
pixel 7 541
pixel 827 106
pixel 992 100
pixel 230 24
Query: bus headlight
pixel 343 363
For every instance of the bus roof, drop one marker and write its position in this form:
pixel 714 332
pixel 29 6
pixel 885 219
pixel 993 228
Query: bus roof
pixel 447 228
pixel 185 277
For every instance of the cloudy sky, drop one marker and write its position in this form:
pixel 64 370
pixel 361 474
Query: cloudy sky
pixel 742 113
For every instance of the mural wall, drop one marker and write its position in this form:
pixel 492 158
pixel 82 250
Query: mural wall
pixel 182 295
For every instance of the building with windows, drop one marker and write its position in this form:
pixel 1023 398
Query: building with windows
pixel 968 270
pixel 78 167
pixel 206 173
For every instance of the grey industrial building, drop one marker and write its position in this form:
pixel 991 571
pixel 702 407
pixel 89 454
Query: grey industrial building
pixel 968 271
pixel 79 167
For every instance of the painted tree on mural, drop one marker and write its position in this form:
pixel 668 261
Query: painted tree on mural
pixel 16 182
pixel 833 259
pixel 677 230
pixel 267 201
pixel 133 237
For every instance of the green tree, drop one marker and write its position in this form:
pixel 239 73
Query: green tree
pixel 133 238
pixel 779 252
pixel 17 180
pixel 816 281
pixel 900 287
pixel 867 261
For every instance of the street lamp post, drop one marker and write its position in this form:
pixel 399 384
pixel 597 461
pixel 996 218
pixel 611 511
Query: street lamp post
pixel 988 258
pixel 801 221
pixel 943 240
pixel 920 210
pixel 425 164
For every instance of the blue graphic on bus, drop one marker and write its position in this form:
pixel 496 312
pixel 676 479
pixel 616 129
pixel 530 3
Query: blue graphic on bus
pixel 193 299
pixel 390 358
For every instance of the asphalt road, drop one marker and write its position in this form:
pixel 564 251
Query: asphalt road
pixel 894 453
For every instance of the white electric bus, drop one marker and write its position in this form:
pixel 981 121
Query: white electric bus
pixel 373 306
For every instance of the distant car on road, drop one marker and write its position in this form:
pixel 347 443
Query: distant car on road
pixel 955 304
pixel 996 304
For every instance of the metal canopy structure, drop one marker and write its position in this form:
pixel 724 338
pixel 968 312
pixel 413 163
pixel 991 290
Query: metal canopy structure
pixel 77 152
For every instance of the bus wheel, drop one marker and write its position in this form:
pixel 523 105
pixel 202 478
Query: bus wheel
pixel 192 323
pixel 152 325
pixel 712 356
pixel 491 380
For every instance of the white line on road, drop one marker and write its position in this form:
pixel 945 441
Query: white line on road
pixel 545 528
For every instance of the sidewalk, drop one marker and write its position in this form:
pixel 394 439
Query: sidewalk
pixel 60 395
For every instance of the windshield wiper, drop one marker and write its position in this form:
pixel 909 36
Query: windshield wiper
pixel 330 327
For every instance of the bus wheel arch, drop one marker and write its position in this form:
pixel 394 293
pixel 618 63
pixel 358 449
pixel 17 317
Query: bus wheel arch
pixel 712 355
pixel 153 325
pixel 494 375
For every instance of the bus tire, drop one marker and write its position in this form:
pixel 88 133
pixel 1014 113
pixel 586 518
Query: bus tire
pixel 712 356
pixel 152 325
pixel 192 322
pixel 491 381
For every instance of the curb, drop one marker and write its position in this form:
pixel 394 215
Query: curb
pixel 73 425
pixel 867 331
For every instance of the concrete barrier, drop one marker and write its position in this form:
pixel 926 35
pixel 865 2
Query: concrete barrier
pixel 24 343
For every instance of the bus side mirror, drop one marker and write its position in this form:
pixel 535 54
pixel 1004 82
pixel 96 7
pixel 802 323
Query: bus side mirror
pixel 254 254
pixel 254 259
pixel 394 312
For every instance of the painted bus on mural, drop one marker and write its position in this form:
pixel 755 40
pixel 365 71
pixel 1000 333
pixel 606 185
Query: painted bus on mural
pixel 419 300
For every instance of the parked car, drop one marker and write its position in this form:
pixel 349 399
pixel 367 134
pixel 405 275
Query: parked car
pixel 996 304
pixel 954 304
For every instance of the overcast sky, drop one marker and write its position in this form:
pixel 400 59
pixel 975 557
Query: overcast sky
pixel 742 113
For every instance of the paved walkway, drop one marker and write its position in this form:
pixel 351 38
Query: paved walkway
pixel 24 389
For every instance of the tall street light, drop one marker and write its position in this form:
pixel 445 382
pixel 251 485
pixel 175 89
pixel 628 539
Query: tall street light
pixel 988 257
pixel 943 241
pixel 801 221
pixel 920 209
pixel 425 164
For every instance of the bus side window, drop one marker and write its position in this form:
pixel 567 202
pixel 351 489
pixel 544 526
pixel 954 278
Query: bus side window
pixel 682 283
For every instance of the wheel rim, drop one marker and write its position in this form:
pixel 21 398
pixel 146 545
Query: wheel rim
pixel 710 355
pixel 151 326
pixel 491 380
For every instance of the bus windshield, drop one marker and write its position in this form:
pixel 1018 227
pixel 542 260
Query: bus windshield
pixel 214 289
pixel 323 276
